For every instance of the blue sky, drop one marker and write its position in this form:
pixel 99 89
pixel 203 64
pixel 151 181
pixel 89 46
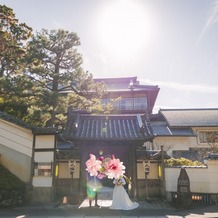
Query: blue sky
pixel 169 43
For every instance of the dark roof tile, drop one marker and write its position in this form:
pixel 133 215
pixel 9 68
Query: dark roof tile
pixel 36 130
pixel 14 120
pixel 162 129
pixel 110 127
pixel 190 117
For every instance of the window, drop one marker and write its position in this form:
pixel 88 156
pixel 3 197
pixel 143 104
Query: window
pixel 128 103
pixel 140 103
pixel 43 169
pixel 208 137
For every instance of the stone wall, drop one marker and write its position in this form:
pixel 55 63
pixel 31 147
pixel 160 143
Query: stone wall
pixel 43 194
pixel 12 198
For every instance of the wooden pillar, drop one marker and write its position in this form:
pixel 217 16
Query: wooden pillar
pixel 83 180
pixel 133 170
pixel 163 182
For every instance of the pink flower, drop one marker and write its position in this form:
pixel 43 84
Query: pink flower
pixel 101 158
pixel 114 168
pixel 93 165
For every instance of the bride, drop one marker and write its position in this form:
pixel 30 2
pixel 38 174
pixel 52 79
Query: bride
pixel 121 200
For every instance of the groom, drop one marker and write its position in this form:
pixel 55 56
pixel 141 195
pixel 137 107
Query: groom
pixel 93 194
pixel 92 191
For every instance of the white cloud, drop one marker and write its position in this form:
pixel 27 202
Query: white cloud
pixel 212 18
pixel 199 88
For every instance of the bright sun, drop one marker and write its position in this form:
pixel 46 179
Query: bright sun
pixel 123 27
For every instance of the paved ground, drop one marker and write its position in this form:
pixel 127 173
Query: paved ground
pixel 153 209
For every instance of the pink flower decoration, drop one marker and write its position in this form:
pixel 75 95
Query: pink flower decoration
pixel 110 167
pixel 114 168
pixel 101 158
pixel 93 165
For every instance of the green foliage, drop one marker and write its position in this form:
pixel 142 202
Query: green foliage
pixel 15 85
pixel 8 180
pixel 55 67
pixel 53 58
pixel 13 36
pixel 15 108
pixel 40 71
pixel 172 162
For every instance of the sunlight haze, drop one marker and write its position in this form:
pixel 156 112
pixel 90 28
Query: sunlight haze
pixel 123 28
pixel 169 43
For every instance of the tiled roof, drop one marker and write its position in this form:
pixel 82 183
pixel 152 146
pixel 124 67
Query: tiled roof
pixel 190 117
pixel 67 145
pixel 14 120
pixel 36 130
pixel 44 130
pixel 150 154
pixel 212 156
pixel 102 127
pixel 66 150
pixel 118 83
pixel 162 129
pixel 123 84
pixel 188 154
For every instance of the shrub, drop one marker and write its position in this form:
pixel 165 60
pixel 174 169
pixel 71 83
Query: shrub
pixel 8 180
pixel 172 162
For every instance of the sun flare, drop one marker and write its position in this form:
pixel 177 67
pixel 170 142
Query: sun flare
pixel 123 27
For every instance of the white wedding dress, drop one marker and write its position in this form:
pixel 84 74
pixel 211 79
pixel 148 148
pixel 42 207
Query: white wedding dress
pixel 121 200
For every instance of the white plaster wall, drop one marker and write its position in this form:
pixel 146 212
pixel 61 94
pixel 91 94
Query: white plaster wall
pixel 44 141
pixel 16 137
pixel 202 180
pixel 17 163
pixel 213 175
pixel 44 156
pixel 171 143
pixel 16 149
pixel 171 177
pixel 198 179
pixel 42 181
pixel 174 143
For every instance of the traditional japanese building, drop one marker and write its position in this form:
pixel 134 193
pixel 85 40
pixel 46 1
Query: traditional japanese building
pixel 134 135
pixel 54 164
pixel 29 153
pixel 134 97
pixel 122 133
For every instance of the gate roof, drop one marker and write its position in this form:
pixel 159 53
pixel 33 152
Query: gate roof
pixel 107 127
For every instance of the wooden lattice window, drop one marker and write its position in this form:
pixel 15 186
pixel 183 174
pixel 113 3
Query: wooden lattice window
pixel 43 169
pixel 207 137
